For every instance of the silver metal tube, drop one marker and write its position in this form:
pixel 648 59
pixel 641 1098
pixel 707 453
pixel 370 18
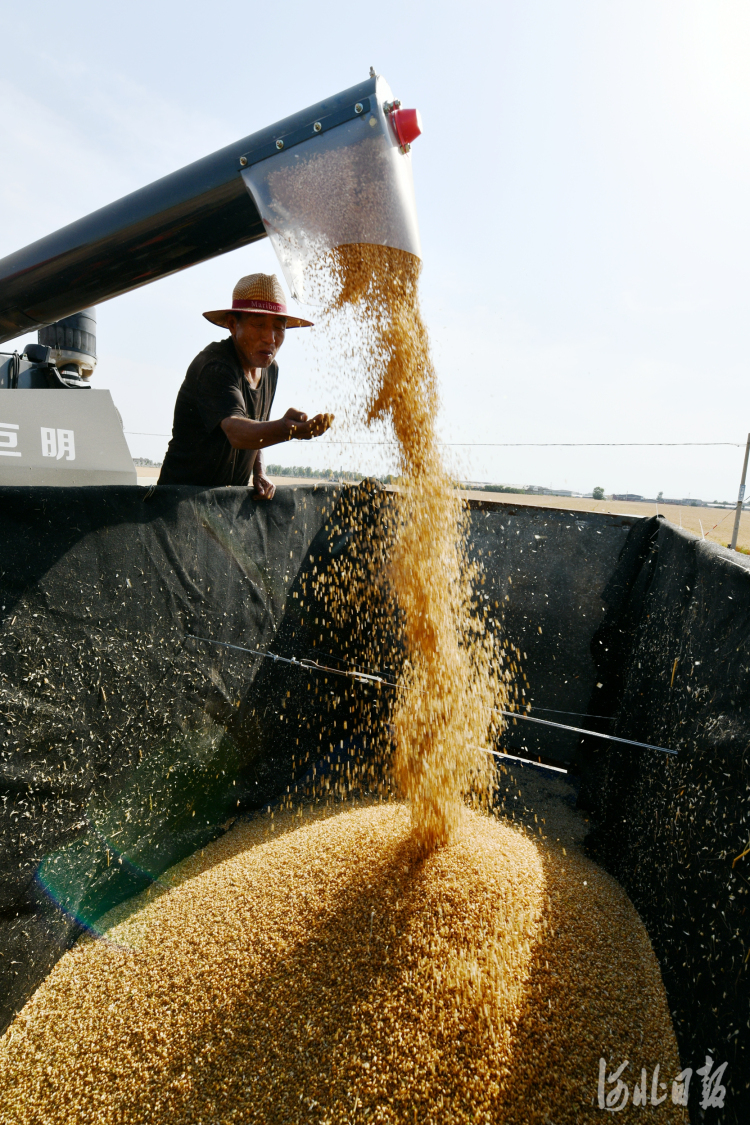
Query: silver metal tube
pixel 740 498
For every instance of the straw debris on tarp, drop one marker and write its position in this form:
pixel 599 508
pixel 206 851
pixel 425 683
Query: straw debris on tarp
pixel 122 747
pixel 674 658
pixel 116 585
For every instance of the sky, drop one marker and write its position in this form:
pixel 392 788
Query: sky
pixel 582 187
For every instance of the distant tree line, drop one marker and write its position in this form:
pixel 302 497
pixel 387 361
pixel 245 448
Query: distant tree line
pixel 351 475
pixel 504 488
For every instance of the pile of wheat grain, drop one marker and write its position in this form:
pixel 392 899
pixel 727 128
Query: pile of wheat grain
pixel 329 971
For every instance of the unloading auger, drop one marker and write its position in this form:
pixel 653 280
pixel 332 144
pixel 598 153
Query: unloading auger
pixel 336 173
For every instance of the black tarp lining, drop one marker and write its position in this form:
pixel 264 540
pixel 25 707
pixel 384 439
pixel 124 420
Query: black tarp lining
pixel 673 656
pixel 124 745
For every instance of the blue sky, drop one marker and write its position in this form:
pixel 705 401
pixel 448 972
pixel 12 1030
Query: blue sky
pixel 582 187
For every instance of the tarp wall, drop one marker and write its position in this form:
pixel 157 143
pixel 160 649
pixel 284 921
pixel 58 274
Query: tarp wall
pixel 124 746
pixel 546 568
pixel 673 654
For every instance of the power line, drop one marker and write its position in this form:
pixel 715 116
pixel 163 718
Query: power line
pixel 554 444
pixel 525 444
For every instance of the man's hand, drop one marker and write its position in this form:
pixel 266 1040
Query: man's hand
pixel 264 488
pixel 244 433
pixel 302 428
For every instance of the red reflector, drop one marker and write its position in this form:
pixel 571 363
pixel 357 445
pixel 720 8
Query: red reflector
pixel 408 125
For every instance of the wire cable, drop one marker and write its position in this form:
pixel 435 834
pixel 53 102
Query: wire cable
pixel 580 730
pixel 526 761
pixel 580 714
pixel 313 666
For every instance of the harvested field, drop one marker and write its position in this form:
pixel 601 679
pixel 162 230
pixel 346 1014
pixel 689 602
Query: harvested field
pixel 717 522
pixel 318 968
pixel 687 517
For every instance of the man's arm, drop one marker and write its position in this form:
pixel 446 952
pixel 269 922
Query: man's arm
pixel 244 433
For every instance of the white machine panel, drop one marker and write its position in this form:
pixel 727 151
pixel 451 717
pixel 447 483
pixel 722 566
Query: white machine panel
pixel 62 437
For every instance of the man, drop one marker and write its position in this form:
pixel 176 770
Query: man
pixel 221 415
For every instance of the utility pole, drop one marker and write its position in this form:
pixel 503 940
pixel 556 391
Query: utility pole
pixel 740 498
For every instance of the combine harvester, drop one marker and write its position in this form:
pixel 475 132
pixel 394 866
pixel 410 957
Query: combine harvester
pixel 125 746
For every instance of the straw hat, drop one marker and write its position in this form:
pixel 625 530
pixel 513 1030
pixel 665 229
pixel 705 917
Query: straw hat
pixel 258 293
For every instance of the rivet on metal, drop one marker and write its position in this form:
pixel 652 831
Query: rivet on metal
pixel 358 107
pixel 317 126
pixel 243 161
pixel 279 145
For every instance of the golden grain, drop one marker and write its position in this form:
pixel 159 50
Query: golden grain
pixel 451 681
pixel 285 978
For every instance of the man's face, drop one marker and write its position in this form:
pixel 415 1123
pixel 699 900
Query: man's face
pixel 257 337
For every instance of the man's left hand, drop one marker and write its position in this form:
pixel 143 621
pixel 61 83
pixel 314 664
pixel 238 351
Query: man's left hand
pixel 263 487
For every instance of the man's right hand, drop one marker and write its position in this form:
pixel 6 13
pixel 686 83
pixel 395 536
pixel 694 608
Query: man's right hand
pixel 302 428
pixel 245 433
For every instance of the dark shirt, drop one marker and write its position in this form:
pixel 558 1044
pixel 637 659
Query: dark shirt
pixel 215 387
